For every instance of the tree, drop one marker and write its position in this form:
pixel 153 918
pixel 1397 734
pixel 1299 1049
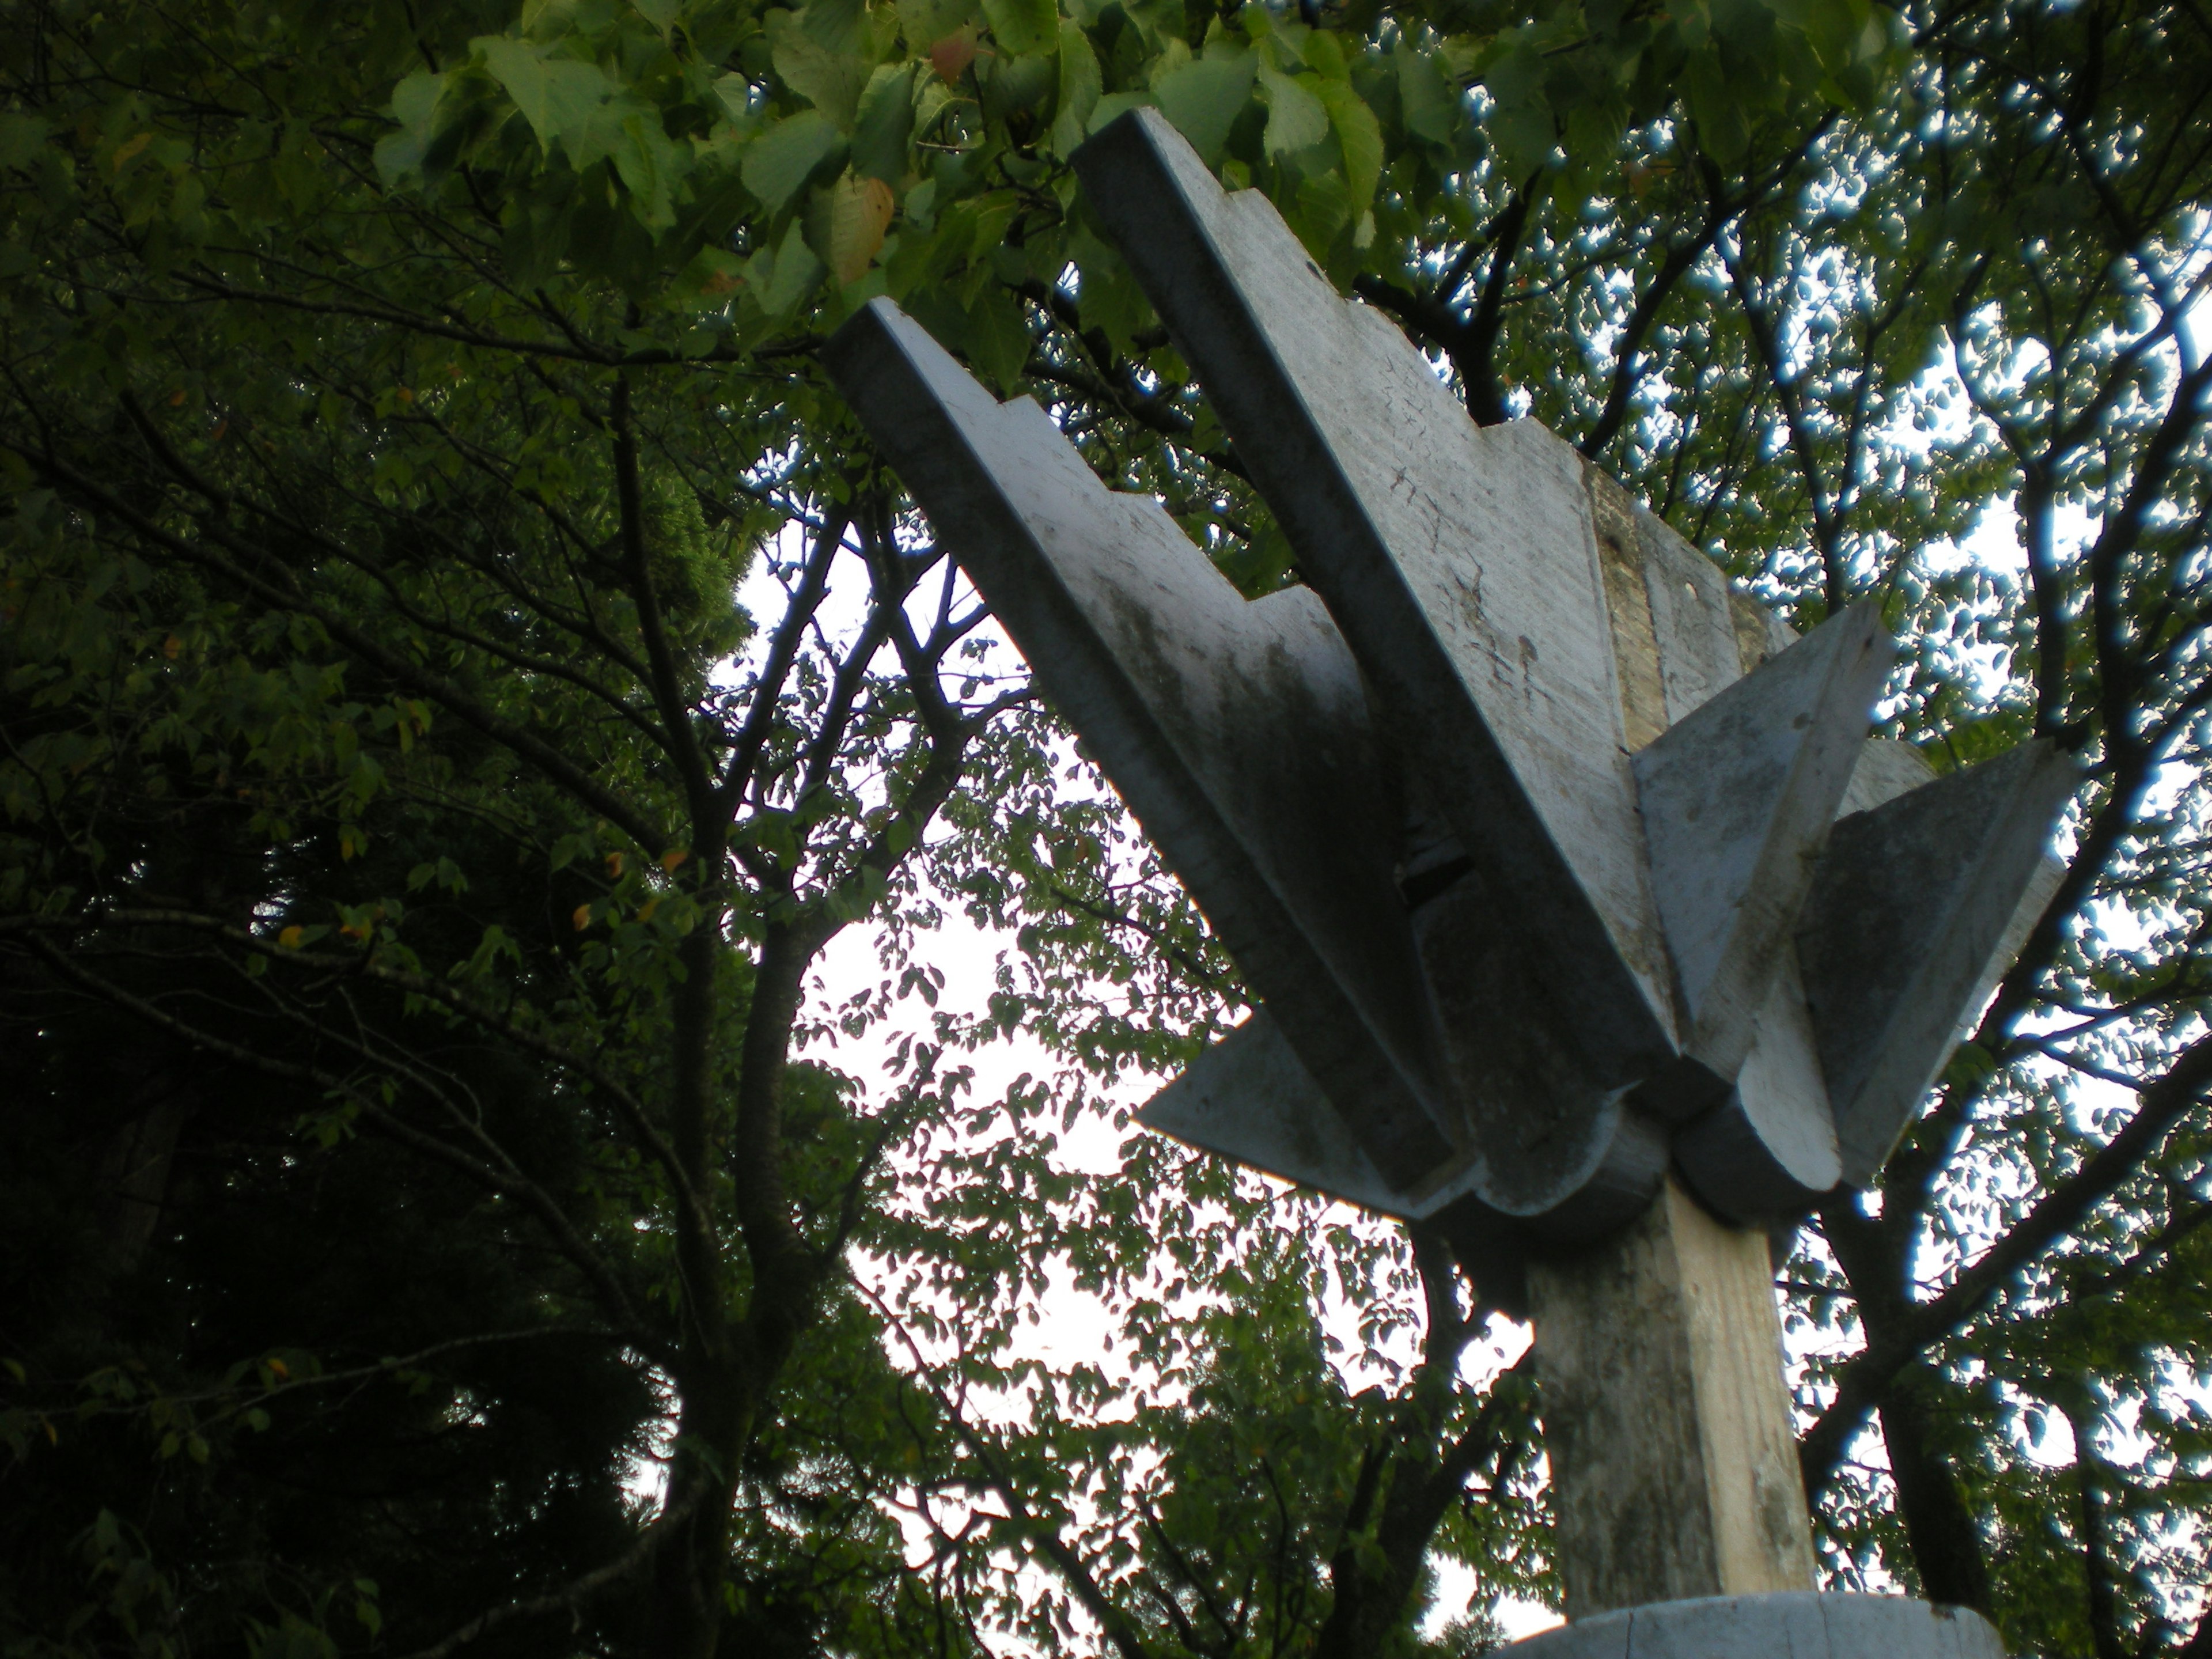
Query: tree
pixel 464 667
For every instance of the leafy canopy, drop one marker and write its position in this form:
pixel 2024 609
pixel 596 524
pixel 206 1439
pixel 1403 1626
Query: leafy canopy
pixel 464 669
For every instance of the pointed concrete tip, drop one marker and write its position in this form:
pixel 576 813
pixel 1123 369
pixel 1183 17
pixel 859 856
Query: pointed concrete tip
pixel 1916 908
pixel 1737 800
pixel 1249 1099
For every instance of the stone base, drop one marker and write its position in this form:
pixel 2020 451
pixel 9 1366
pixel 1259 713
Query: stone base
pixel 1795 1624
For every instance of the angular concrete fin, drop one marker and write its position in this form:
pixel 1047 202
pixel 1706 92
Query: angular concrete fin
pixel 1887 768
pixel 1249 1100
pixel 1460 562
pixel 1914 909
pixel 1769 1151
pixel 1238 732
pixel 1553 1140
pixel 1737 800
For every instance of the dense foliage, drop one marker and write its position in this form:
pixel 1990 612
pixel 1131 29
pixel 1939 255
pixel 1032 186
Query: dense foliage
pixel 463 669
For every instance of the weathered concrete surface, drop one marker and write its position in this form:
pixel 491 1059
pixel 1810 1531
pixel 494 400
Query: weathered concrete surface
pixel 1916 905
pixel 1248 1098
pixel 1801 1625
pixel 1519 898
pixel 1768 1151
pixel 1737 797
pixel 1659 1366
pixel 1512 850
pixel 1460 562
pixel 1886 768
pixel 1237 731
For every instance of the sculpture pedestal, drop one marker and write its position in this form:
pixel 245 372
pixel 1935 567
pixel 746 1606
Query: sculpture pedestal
pixel 1787 1624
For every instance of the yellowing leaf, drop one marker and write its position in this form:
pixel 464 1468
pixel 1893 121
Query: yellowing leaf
pixel 673 857
pixel 644 910
pixel 951 57
pixel 290 938
pixel 859 213
pixel 128 147
pixel 614 864
pixel 582 917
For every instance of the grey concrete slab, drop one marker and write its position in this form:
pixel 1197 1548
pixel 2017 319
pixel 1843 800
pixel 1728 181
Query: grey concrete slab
pixel 1737 799
pixel 1553 1140
pixel 1769 1151
pixel 1695 633
pixel 1460 562
pixel 1787 1624
pixel 1248 1098
pixel 1237 732
pixel 1886 768
pixel 1913 906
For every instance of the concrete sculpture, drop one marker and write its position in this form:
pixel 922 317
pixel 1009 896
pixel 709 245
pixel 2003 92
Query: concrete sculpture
pixel 1552 863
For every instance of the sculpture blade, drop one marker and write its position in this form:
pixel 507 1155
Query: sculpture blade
pixel 1237 732
pixel 1460 562
pixel 1249 1099
pixel 1915 906
pixel 1737 801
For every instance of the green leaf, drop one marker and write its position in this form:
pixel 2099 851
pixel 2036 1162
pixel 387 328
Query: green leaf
pixel 841 25
pixel 22 138
pixel 925 22
pixel 1360 137
pixel 1081 83
pixel 1114 105
pixel 1022 28
pixel 1295 118
pixel 998 339
pixel 779 162
pixel 885 123
pixel 661 14
pixel 557 96
pixel 734 93
pixel 797 271
pixel 1722 132
pixel 1428 102
pixel 415 107
pixel 1203 97
pixel 830 77
pixel 415 99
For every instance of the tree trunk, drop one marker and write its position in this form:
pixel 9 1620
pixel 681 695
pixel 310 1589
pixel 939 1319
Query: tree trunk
pixel 1946 1544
